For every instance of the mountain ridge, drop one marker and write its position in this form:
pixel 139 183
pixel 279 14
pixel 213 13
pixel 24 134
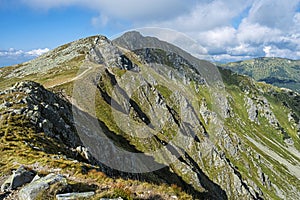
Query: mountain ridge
pixel 221 131
pixel 280 72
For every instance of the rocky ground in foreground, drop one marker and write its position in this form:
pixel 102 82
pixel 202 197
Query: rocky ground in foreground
pixel 42 158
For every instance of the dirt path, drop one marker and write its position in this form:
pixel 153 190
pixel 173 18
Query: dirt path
pixel 72 79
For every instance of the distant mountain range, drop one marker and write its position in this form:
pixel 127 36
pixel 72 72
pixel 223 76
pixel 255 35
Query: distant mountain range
pixel 139 118
pixel 276 71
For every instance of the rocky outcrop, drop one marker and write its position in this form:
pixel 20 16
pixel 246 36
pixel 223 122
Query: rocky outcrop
pixel 75 195
pixel 173 111
pixel 46 111
pixel 252 110
pixel 19 177
pixel 104 52
pixel 189 145
pixel 32 190
pixel 259 106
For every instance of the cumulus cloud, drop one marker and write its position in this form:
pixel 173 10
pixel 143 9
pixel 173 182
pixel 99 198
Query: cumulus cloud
pixel 15 52
pixel 273 51
pixel 135 10
pixel 224 29
pixel 37 52
pixel 273 13
pixel 207 15
pixel 257 34
pixel 13 56
pixel 218 38
pixel 241 29
pixel 11 52
pixel 244 49
pixel 223 58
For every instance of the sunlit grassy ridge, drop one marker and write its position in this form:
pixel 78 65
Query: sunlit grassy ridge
pixel 244 156
pixel 277 71
pixel 263 133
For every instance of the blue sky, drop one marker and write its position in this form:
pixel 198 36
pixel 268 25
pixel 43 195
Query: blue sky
pixel 225 30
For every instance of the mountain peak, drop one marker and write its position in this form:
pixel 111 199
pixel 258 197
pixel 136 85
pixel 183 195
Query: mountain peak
pixel 215 141
pixel 132 34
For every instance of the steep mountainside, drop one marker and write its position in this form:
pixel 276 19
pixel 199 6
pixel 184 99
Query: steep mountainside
pixel 276 71
pixel 157 122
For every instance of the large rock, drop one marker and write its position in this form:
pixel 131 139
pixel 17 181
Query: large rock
pixel 75 195
pixel 17 179
pixel 31 191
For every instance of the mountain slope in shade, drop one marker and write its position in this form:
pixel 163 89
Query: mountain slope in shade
pixel 276 71
pixel 137 104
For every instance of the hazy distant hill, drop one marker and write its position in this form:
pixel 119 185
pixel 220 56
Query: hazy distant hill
pixel 277 71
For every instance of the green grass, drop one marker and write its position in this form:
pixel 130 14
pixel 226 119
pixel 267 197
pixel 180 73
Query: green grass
pixel 16 132
pixel 264 133
pixel 277 71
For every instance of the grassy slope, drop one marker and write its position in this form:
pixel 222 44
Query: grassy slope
pixel 277 71
pixel 17 132
pixel 13 138
pixel 263 133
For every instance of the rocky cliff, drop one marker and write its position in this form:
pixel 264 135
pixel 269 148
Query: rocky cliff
pixel 142 109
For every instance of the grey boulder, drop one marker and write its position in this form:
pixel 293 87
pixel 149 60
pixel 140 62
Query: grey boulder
pixel 32 190
pixel 75 195
pixel 17 179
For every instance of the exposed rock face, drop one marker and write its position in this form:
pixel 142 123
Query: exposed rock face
pixel 190 133
pixel 75 195
pixel 259 106
pixel 104 52
pixel 252 110
pixel 17 179
pixel 48 112
pixel 211 138
pixel 32 190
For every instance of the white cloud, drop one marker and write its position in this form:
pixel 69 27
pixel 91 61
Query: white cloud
pixel 128 9
pixel 273 13
pixel 218 38
pixel 273 51
pixel 242 50
pixel 206 15
pixel 224 28
pixel 296 19
pixel 15 52
pixel 267 50
pixel 228 58
pixel 264 23
pixel 37 52
pixel 13 56
pixel 11 52
pixel 257 34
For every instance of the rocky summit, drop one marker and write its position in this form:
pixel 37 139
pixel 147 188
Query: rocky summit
pixel 139 118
